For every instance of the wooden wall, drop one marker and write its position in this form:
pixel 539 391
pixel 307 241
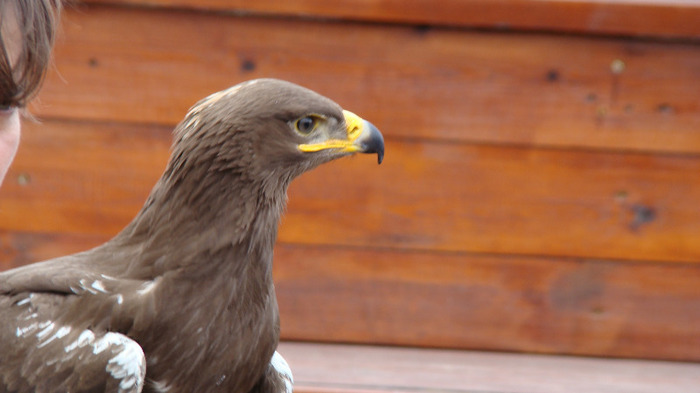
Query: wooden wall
pixel 541 186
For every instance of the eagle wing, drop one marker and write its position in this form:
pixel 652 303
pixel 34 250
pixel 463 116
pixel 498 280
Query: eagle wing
pixel 42 353
pixel 53 339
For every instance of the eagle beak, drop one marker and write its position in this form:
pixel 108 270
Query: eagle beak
pixel 365 137
pixel 362 137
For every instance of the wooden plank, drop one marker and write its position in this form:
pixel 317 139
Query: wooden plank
pixel 91 178
pixel 489 199
pixel 584 307
pixel 65 169
pixel 676 18
pixel 21 248
pixel 556 91
pixel 496 302
pixel 321 368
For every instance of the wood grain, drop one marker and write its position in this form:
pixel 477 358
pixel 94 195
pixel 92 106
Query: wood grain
pixel 477 198
pixel 459 300
pixel 64 170
pixel 583 307
pixel 322 368
pixel 90 178
pixel 676 18
pixel 532 89
pixel 21 248
pixel 351 368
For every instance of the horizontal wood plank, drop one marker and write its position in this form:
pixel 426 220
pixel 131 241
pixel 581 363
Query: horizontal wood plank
pixel 477 198
pixel 446 84
pixel 677 18
pixel 21 248
pixel 455 300
pixel 523 304
pixel 66 169
pixel 322 368
pixel 92 178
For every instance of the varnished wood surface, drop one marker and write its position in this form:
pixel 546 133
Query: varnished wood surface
pixel 341 368
pixel 676 18
pixel 524 304
pixel 460 300
pixel 81 177
pixel 426 195
pixel 539 192
pixel 524 89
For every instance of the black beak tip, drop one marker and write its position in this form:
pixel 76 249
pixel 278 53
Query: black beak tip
pixel 375 143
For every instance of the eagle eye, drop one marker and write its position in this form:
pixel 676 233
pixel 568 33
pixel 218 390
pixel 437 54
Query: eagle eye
pixel 306 124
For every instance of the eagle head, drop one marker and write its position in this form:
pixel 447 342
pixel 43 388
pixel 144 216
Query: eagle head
pixel 271 128
pixel 233 157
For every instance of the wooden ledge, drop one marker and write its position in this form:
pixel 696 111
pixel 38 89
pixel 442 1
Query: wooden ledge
pixel 664 18
pixel 357 368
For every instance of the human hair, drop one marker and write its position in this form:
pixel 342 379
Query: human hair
pixel 27 31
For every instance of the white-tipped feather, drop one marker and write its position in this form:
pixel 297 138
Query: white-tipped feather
pixel 282 367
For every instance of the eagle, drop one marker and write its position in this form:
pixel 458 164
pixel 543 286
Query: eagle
pixel 182 299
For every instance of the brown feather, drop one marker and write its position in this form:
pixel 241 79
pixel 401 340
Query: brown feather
pixel 189 279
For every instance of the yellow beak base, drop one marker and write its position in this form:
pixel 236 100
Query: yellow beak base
pixel 362 137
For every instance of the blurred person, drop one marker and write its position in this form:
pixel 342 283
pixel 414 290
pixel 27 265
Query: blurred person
pixel 27 29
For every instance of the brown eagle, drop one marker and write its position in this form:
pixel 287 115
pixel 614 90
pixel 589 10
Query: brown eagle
pixel 182 299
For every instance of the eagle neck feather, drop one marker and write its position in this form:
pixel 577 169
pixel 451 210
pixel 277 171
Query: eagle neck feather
pixel 208 238
pixel 199 208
